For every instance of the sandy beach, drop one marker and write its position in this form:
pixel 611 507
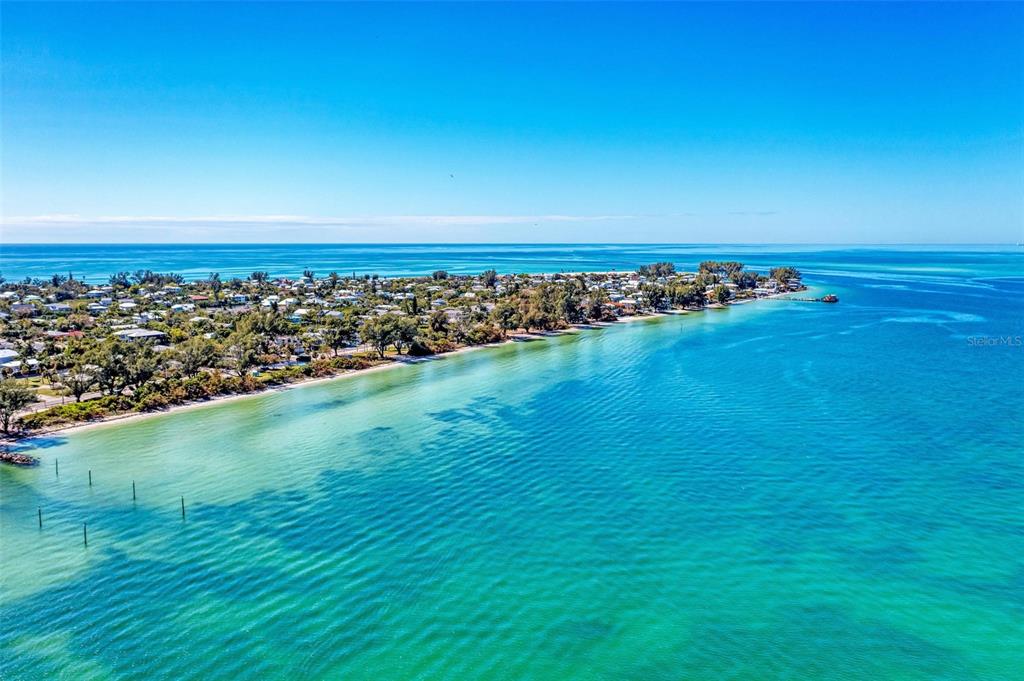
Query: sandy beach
pixel 396 361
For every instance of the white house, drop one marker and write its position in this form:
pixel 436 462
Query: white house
pixel 133 335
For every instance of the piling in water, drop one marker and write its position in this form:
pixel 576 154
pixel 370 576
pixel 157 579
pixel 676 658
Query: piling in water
pixel 40 517
pixel 56 467
pixel 90 478
pixel 183 508
pixel 133 490
pixel 85 535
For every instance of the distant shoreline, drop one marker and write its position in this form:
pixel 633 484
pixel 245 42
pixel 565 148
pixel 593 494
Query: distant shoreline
pixel 43 259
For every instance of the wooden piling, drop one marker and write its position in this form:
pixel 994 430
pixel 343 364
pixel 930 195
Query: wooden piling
pixel 90 477
pixel 183 508
pixel 40 509
pixel 85 535
pixel 133 490
pixel 56 467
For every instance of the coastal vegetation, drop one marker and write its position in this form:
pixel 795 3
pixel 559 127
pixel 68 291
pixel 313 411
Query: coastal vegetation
pixel 13 398
pixel 144 341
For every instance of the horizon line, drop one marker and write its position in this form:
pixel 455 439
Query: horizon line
pixel 509 243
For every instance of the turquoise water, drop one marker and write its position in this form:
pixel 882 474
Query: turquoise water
pixel 779 490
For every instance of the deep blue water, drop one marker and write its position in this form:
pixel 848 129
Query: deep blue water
pixel 94 263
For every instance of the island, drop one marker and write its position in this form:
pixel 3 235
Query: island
pixel 145 341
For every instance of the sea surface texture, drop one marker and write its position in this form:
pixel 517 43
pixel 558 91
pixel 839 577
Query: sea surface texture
pixel 778 490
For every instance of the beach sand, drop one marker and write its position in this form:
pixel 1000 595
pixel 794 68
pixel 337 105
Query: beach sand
pixel 396 361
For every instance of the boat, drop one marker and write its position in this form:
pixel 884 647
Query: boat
pixel 830 298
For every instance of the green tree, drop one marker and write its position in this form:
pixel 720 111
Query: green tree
pixel 389 329
pixel 111 361
pixel 339 332
pixel 596 299
pixel 506 316
pixel 784 274
pixel 243 352
pixel 404 332
pixel 13 398
pixel 489 278
pixel 744 280
pixel 687 296
pixel 79 380
pixel 658 269
pixel 215 285
pixel 194 354
pixel 534 312
pixel 722 294
pixel 438 323
pixel 654 296
pixel 141 364
pixel 705 279
pixel 120 280
pixel 725 269
pixel 546 311
pixel 379 333
pixel 569 303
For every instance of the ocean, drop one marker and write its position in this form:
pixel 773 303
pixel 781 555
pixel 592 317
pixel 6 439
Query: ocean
pixel 777 490
pixel 94 263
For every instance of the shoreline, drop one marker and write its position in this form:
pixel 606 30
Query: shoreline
pixel 119 419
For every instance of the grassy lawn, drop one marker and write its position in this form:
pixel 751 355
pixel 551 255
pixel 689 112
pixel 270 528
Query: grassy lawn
pixel 40 385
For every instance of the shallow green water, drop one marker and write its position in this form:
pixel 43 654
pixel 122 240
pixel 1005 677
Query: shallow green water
pixel 777 490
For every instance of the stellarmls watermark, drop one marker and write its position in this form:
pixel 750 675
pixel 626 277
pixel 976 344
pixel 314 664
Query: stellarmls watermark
pixel 995 341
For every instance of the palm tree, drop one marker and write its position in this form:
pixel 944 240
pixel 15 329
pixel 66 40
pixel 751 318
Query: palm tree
pixel 215 285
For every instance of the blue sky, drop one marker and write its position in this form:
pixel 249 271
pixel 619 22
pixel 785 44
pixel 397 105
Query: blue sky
pixel 222 122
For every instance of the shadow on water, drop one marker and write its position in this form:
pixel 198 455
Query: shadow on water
pixel 830 644
pixel 39 442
